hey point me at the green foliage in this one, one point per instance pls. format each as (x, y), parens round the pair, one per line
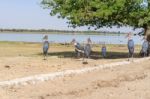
(98, 13)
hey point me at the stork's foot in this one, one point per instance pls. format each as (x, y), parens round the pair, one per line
(130, 60)
(85, 62)
(44, 59)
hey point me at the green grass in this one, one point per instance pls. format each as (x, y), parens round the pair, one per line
(9, 49)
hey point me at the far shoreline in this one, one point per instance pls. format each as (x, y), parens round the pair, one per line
(43, 31)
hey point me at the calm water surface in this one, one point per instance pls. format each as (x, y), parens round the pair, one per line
(62, 38)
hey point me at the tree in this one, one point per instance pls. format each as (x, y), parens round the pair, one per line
(99, 13)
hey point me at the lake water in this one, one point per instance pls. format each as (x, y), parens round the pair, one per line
(62, 38)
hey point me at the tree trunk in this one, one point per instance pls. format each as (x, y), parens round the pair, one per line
(147, 34)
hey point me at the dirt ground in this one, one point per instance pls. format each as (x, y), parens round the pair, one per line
(125, 82)
(17, 67)
(21, 60)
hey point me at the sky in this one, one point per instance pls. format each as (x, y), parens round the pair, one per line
(29, 14)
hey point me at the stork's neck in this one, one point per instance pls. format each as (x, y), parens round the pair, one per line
(129, 36)
(44, 40)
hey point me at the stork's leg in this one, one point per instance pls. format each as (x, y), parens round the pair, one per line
(132, 54)
(83, 58)
(129, 56)
(132, 57)
(84, 61)
(78, 55)
(44, 57)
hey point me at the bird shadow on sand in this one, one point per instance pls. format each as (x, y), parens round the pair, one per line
(94, 55)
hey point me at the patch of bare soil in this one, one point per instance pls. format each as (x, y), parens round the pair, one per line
(18, 67)
(125, 82)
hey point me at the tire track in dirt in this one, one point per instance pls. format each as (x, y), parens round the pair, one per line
(98, 84)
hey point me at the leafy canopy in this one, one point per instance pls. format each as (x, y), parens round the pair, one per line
(99, 13)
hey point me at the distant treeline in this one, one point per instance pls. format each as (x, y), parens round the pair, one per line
(55, 31)
(34, 30)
